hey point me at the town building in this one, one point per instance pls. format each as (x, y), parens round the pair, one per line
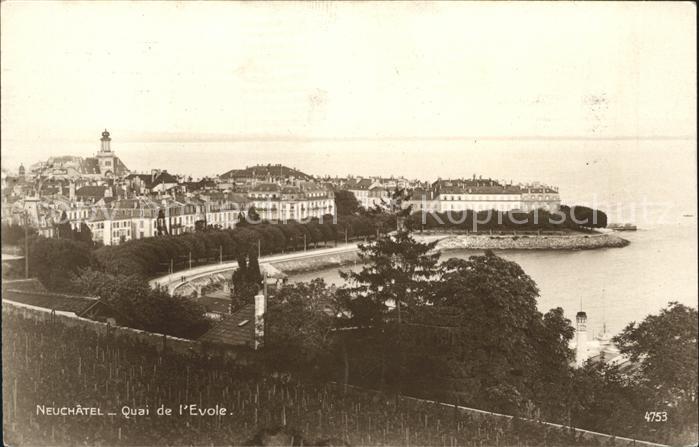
(157, 182)
(275, 202)
(484, 195)
(105, 164)
(270, 173)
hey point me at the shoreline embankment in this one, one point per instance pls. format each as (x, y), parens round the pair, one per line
(450, 242)
(570, 241)
(320, 262)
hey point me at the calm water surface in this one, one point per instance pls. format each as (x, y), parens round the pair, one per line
(616, 285)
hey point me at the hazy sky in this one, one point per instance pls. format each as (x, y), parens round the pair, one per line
(364, 71)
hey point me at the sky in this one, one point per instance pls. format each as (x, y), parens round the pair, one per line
(528, 80)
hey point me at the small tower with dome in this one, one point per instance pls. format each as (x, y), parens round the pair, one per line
(106, 140)
(105, 157)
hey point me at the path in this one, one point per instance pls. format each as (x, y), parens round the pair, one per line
(172, 281)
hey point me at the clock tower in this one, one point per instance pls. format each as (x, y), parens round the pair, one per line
(105, 156)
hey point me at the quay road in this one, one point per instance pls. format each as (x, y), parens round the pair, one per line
(172, 281)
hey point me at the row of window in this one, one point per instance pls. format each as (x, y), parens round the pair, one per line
(300, 210)
(495, 197)
(116, 233)
(284, 196)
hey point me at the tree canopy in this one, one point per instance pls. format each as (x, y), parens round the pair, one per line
(346, 203)
(144, 308)
(666, 347)
(54, 261)
(396, 274)
(298, 326)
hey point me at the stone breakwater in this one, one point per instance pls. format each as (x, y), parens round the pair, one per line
(576, 241)
(447, 242)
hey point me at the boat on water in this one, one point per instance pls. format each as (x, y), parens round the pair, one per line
(622, 227)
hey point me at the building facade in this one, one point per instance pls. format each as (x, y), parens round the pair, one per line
(484, 195)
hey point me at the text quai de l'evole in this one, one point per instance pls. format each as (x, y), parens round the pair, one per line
(130, 412)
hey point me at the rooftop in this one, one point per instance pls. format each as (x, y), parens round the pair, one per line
(237, 329)
(262, 172)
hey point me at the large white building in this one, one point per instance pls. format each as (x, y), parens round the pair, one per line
(286, 202)
(140, 218)
(371, 193)
(483, 195)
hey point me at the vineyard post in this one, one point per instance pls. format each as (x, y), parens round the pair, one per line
(187, 390)
(26, 244)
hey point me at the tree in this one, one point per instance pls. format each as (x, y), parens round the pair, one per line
(143, 307)
(583, 216)
(346, 203)
(602, 398)
(200, 225)
(161, 225)
(253, 216)
(298, 327)
(510, 353)
(54, 261)
(246, 279)
(397, 273)
(63, 228)
(84, 234)
(665, 345)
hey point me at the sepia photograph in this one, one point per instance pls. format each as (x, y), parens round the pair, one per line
(351, 223)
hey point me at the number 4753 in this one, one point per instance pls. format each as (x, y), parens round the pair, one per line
(656, 416)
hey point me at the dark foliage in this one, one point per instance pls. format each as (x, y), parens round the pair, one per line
(566, 218)
(346, 203)
(55, 261)
(149, 257)
(144, 308)
(13, 234)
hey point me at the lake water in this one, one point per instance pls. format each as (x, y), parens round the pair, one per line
(616, 285)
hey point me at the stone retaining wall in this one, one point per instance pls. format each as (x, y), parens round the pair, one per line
(527, 242)
(316, 263)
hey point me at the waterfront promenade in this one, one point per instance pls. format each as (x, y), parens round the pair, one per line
(173, 281)
(448, 241)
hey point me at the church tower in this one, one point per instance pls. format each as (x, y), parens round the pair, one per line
(105, 142)
(105, 157)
